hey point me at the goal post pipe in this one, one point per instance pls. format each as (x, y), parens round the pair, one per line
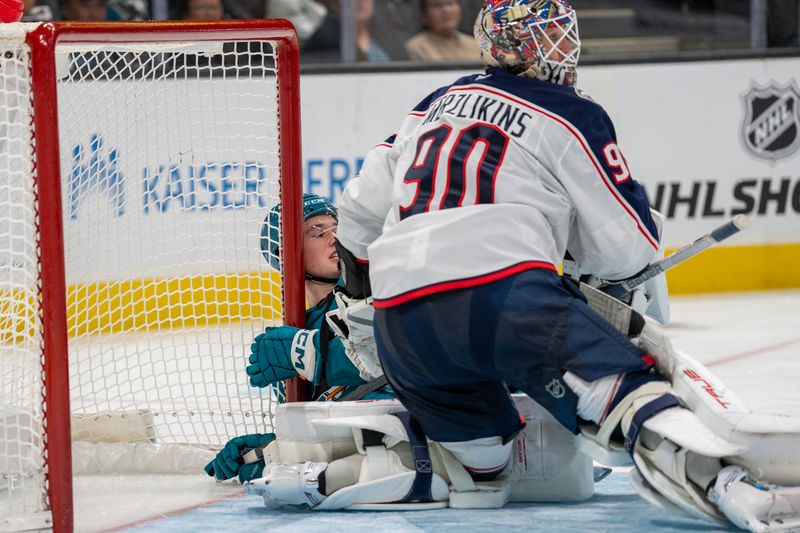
(52, 277)
(52, 280)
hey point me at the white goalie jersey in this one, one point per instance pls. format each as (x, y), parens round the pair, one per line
(527, 169)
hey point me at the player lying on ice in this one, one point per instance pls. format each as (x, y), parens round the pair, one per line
(462, 217)
(320, 357)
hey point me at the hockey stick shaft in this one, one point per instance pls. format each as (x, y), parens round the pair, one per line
(734, 226)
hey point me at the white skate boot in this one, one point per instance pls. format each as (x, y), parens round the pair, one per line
(754, 505)
(290, 485)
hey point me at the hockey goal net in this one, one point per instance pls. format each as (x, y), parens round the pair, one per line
(138, 163)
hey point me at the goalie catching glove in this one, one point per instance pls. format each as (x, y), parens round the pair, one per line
(351, 322)
(284, 352)
(230, 463)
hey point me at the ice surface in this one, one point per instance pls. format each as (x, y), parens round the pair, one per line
(751, 341)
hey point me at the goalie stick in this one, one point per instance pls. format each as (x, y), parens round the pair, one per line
(362, 390)
(620, 289)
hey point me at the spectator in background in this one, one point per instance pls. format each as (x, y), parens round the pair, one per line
(441, 40)
(325, 44)
(469, 11)
(306, 15)
(783, 23)
(83, 10)
(128, 10)
(33, 13)
(255, 9)
(203, 10)
(394, 23)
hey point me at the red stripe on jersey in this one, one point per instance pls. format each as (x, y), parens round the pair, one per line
(461, 283)
(611, 397)
(582, 142)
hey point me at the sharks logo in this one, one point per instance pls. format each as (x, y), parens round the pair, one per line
(95, 171)
(771, 126)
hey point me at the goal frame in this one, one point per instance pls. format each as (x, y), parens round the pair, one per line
(42, 42)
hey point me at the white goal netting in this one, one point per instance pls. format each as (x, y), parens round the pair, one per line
(169, 161)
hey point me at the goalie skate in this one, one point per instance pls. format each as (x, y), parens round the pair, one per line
(754, 505)
(289, 485)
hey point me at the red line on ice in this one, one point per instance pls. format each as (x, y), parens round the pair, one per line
(756, 351)
(176, 512)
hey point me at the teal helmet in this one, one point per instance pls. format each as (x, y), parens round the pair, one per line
(313, 205)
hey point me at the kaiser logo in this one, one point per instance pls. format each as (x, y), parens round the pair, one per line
(95, 171)
(771, 126)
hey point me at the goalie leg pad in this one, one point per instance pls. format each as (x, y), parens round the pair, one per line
(675, 453)
(484, 459)
(767, 443)
(666, 471)
(303, 434)
(546, 464)
(385, 482)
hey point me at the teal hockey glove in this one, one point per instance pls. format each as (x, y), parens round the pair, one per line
(229, 461)
(284, 352)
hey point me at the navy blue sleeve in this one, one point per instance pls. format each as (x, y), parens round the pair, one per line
(602, 139)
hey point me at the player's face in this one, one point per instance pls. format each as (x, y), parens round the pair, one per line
(442, 16)
(555, 46)
(319, 234)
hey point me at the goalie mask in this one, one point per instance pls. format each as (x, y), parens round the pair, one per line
(535, 38)
(313, 205)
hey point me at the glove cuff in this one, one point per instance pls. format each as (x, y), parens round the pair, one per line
(305, 355)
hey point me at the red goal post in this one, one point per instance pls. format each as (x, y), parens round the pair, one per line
(207, 186)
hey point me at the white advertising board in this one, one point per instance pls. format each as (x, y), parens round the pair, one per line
(708, 139)
(175, 180)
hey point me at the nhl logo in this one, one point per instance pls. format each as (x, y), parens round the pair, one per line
(556, 389)
(771, 126)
